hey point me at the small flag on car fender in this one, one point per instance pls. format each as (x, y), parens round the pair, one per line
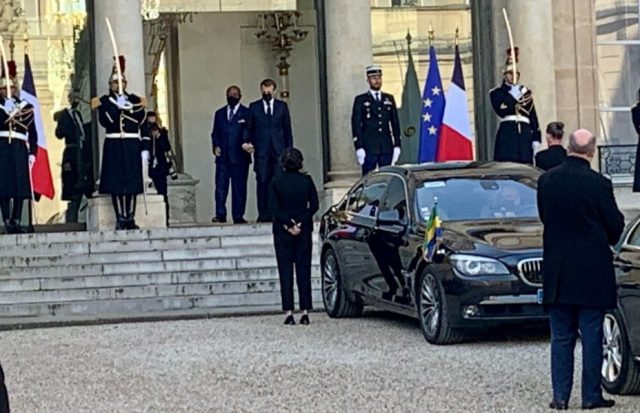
(432, 234)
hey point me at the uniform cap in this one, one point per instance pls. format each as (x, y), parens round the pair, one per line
(374, 70)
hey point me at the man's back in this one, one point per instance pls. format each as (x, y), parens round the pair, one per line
(551, 157)
(581, 220)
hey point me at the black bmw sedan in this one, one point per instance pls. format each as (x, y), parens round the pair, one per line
(485, 271)
(621, 367)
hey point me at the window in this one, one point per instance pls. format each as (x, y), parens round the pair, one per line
(368, 201)
(396, 197)
(618, 57)
(634, 238)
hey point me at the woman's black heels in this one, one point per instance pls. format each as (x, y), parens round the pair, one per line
(289, 321)
(304, 320)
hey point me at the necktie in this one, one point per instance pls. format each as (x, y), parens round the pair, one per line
(230, 115)
(269, 113)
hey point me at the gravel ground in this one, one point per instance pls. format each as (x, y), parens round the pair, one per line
(377, 363)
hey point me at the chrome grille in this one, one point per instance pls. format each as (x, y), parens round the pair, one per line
(530, 271)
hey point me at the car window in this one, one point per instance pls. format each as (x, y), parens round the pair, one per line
(370, 197)
(634, 238)
(354, 197)
(396, 197)
(478, 198)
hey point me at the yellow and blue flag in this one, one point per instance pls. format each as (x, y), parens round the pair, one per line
(432, 234)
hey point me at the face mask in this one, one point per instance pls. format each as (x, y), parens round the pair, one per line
(75, 105)
(232, 101)
(267, 97)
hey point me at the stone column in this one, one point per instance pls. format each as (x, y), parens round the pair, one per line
(349, 51)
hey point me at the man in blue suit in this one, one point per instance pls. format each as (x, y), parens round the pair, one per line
(232, 162)
(267, 135)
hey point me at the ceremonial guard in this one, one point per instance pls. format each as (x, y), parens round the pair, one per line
(635, 115)
(76, 177)
(375, 125)
(18, 148)
(518, 136)
(161, 160)
(124, 151)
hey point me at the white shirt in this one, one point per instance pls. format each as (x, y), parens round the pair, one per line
(377, 95)
(231, 112)
(268, 106)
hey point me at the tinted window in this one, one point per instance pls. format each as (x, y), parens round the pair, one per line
(478, 198)
(396, 198)
(354, 196)
(369, 201)
(634, 238)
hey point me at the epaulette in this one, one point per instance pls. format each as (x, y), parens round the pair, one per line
(95, 103)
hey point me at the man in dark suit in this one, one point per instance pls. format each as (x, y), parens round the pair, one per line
(555, 154)
(267, 135)
(232, 162)
(375, 125)
(75, 164)
(581, 221)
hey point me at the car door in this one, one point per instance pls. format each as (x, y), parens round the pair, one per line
(387, 245)
(627, 265)
(360, 264)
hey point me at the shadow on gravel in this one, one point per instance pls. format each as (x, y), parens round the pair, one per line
(502, 334)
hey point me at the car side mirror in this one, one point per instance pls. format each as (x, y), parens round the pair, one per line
(391, 217)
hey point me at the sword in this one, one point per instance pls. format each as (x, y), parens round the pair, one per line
(5, 62)
(512, 52)
(144, 187)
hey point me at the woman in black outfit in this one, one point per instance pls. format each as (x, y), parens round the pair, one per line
(293, 200)
(4, 397)
(555, 154)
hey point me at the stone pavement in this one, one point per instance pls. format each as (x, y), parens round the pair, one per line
(378, 363)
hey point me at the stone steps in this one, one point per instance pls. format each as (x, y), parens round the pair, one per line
(141, 274)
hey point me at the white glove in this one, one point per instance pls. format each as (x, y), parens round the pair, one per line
(396, 155)
(123, 102)
(32, 160)
(535, 145)
(361, 154)
(516, 91)
(145, 156)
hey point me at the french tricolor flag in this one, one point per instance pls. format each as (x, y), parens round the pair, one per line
(455, 135)
(42, 178)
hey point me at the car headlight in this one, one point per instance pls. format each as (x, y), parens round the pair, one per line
(473, 265)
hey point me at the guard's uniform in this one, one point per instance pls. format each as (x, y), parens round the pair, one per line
(121, 172)
(519, 131)
(518, 128)
(375, 126)
(18, 139)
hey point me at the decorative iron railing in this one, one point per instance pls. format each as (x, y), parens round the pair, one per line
(617, 161)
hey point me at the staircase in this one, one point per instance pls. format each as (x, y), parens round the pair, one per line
(91, 277)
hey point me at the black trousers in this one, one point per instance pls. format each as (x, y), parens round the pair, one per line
(4, 397)
(265, 170)
(566, 321)
(294, 250)
(234, 175)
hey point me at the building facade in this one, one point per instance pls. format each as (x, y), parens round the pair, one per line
(578, 57)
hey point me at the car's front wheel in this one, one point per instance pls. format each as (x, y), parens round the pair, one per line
(620, 372)
(433, 312)
(334, 295)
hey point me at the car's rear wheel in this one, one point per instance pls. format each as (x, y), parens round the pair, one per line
(433, 312)
(620, 372)
(334, 296)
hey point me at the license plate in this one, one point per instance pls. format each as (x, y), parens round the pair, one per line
(539, 296)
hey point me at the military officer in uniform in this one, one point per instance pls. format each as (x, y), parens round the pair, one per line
(124, 150)
(518, 136)
(375, 125)
(18, 148)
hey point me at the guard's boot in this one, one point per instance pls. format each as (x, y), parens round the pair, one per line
(16, 228)
(120, 222)
(7, 227)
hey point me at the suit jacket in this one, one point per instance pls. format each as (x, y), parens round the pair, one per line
(375, 126)
(581, 220)
(293, 199)
(228, 135)
(553, 156)
(270, 135)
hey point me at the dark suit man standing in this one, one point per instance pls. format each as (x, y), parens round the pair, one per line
(232, 162)
(4, 397)
(375, 125)
(267, 135)
(581, 220)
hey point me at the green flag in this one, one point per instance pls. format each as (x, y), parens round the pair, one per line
(410, 113)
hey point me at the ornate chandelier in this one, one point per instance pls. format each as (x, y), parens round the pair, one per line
(150, 9)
